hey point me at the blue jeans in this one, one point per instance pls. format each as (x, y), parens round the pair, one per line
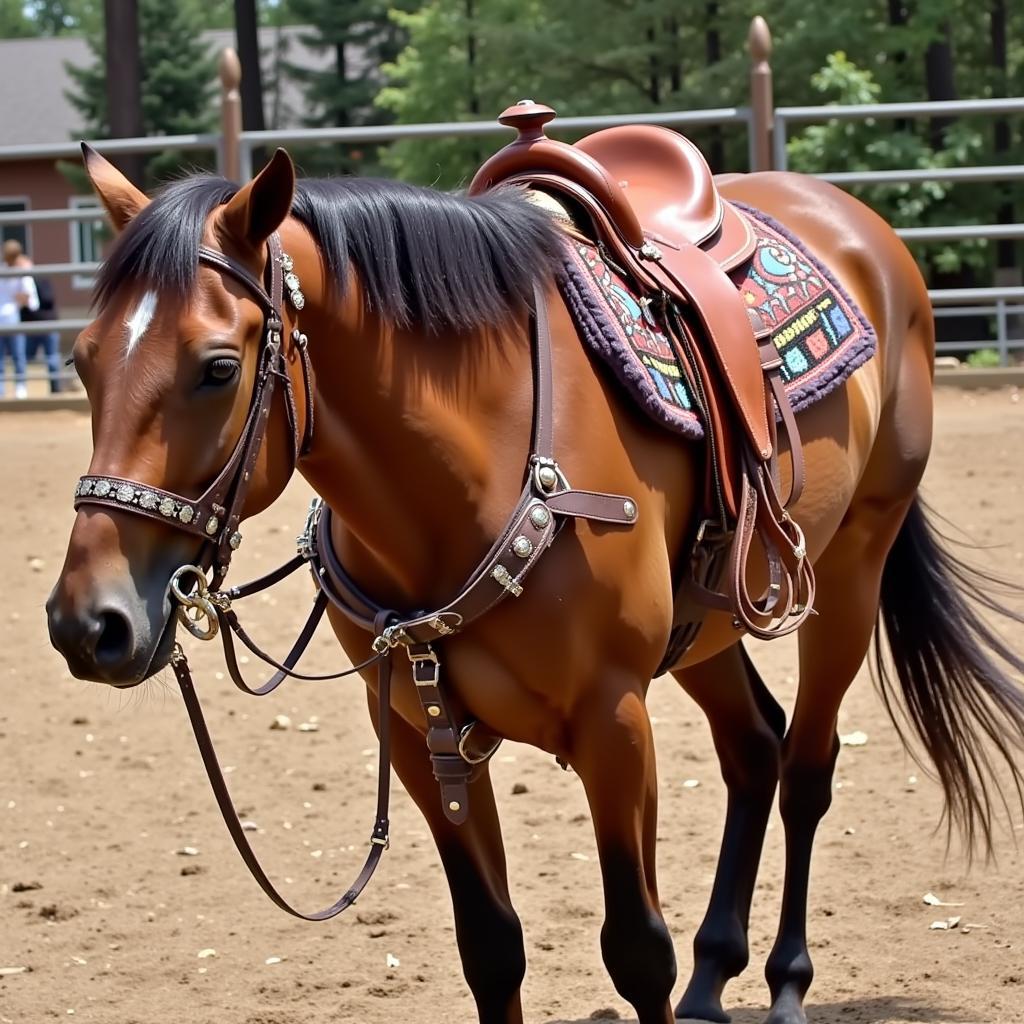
(50, 344)
(15, 345)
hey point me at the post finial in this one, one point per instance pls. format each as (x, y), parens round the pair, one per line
(759, 40)
(230, 69)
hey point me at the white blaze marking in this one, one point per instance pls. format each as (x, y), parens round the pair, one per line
(140, 320)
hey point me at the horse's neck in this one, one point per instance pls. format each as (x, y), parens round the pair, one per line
(420, 448)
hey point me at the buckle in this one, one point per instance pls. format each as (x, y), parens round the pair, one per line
(429, 661)
(504, 578)
(710, 527)
(800, 547)
(306, 541)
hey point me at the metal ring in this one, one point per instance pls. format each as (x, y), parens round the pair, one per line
(469, 758)
(193, 616)
(202, 587)
(195, 608)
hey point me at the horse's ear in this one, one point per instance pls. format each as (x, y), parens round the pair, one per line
(258, 209)
(119, 196)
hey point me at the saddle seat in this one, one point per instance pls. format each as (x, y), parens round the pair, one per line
(653, 184)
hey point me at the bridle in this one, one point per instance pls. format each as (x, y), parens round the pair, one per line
(546, 501)
(216, 514)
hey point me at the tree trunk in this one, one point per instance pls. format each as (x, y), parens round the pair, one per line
(653, 83)
(713, 54)
(247, 34)
(940, 81)
(675, 70)
(124, 75)
(1006, 248)
(899, 15)
(473, 99)
(343, 116)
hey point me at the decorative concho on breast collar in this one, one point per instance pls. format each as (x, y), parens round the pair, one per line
(215, 515)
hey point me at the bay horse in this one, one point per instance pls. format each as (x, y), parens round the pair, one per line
(417, 309)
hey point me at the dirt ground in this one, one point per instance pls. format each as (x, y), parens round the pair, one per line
(100, 793)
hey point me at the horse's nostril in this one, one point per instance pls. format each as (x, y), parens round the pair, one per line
(113, 645)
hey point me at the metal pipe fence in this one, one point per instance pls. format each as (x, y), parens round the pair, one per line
(251, 141)
(767, 129)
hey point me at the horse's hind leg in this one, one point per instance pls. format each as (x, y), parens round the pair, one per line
(832, 648)
(488, 931)
(612, 750)
(747, 725)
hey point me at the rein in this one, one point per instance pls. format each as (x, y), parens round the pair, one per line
(456, 751)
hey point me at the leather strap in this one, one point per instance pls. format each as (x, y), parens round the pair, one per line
(379, 837)
(216, 514)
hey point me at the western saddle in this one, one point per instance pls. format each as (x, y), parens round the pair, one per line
(647, 196)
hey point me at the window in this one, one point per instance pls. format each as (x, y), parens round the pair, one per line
(13, 204)
(86, 239)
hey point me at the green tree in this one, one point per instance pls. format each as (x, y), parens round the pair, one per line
(14, 23)
(467, 59)
(178, 80)
(360, 37)
(61, 17)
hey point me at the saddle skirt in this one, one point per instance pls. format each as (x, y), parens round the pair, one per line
(818, 331)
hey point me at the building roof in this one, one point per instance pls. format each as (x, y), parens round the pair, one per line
(33, 82)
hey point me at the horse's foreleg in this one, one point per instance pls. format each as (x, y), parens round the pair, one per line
(613, 753)
(832, 648)
(747, 725)
(488, 931)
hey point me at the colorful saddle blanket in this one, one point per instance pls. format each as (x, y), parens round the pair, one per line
(821, 335)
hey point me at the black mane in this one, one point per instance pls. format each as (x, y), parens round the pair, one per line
(437, 260)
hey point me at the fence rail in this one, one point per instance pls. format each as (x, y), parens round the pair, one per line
(767, 129)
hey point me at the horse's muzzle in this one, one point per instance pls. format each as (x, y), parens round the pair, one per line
(108, 638)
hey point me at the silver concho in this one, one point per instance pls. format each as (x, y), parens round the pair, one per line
(522, 546)
(148, 500)
(85, 487)
(235, 540)
(548, 477)
(212, 524)
(101, 488)
(286, 262)
(298, 300)
(186, 513)
(629, 509)
(125, 493)
(540, 516)
(291, 282)
(168, 507)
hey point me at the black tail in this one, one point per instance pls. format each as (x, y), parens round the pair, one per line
(964, 706)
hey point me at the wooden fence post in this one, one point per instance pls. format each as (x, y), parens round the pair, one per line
(230, 113)
(762, 99)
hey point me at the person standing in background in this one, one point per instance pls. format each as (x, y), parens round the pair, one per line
(47, 311)
(16, 293)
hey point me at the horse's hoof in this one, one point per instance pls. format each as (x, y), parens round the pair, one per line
(787, 1009)
(692, 1014)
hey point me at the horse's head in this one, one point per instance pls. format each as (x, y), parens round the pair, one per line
(172, 365)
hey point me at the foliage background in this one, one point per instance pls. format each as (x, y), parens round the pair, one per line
(443, 60)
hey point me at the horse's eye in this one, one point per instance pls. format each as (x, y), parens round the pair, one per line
(219, 373)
